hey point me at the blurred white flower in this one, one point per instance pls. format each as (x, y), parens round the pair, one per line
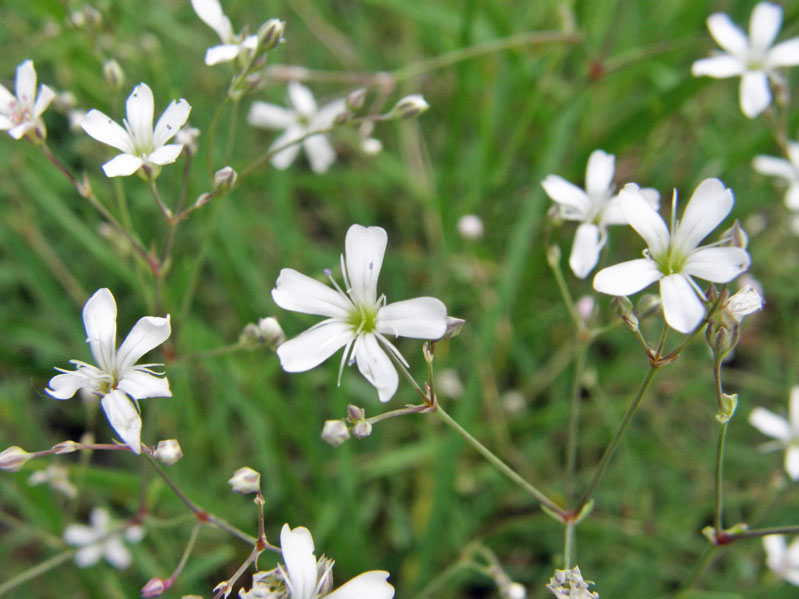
(101, 540)
(371, 146)
(232, 45)
(22, 112)
(785, 431)
(116, 375)
(448, 383)
(470, 226)
(674, 257)
(595, 209)
(788, 170)
(299, 120)
(781, 558)
(58, 479)
(752, 58)
(743, 303)
(140, 144)
(357, 319)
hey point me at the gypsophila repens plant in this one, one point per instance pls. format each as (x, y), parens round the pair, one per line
(428, 300)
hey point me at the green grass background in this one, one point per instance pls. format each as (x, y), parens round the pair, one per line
(408, 498)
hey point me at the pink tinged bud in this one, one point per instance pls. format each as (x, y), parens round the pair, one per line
(225, 178)
(335, 432)
(454, 326)
(154, 587)
(362, 429)
(168, 451)
(356, 99)
(585, 307)
(245, 480)
(65, 447)
(13, 459)
(355, 413)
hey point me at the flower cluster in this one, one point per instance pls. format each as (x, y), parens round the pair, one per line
(21, 113)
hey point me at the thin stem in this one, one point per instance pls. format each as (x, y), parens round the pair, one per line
(37, 570)
(574, 422)
(161, 206)
(554, 263)
(224, 588)
(411, 409)
(232, 134)
(761, 532)
(186, 553)
(568, 544)
(720, 476)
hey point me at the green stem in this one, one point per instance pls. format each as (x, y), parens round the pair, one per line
(37, 570)
(574, 421)
(568, 544)
(761, 532)
(719, 481)
(209, 156)
(553, 258)
(186, 553)
(232, 134)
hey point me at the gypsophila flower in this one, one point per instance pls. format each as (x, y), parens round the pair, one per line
(232, 45)
(752, 58)
(141, 145)
(117, 377)
(674, 257)
(788, 170)
(245, 480)
(569, 584)
(58, 479)
(357, 320)
(781, 558)
(785, 431)
(299, 120)
(22, 113)
(102, 539)
(595, 209)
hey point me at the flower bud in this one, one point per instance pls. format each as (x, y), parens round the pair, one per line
(168, 451)
(335, 432)
(225, 178)
(65, 447)
(270, 34)
(454, 326)
(729, 403)
(470, 227)
(113, 74)
(362, 429)
(187, 137)
(355, 413)
(267, 333)
(356, 99)
(153, 588)
(203, 199)
(624, 308)
(371, 146)
(342, 118)
(409, 106)
(553, 255)
(13, 459)
(245, 480)
(735, 236)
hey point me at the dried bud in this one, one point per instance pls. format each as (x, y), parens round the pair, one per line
(267, 333)
(224, 179)
(65, 447)
(362, 429)
(153, 588)
(113, 74)
(409, 106)
(355, 413)
(569, 584)
(356, 99)
(746, 301)
(335, 432)
(735, 236)
(470, 227)
(245, 480)
(454, 326)
(13, 459)
(270, 34)
(224, 588)
(168, 451)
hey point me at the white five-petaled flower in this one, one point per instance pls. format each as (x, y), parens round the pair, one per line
(140, 144)
(298, 121)
(595, 209)
(785, 431)
(22, 112)
(232, 45)
(102, 540)
(752, 58)
(357, 319)
(673, 258)
(781, 558)
(784, 169)
(116, 377)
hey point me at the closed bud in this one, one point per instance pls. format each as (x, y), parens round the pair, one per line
(553, 255)
(622, 306)
(342, 118)
(409, 106)
(168, 451)
(267, 333)
(65, 447)
(245, 480)
(113, 74)
(514, 590)
(154, 588)
(203, 199)
(362, 429)
(729, 403)
(355, 413)
(225, 178)
(454, 326)
(13, 459)
(356, 99)
(371, 146)
(735, 236)
(270, 34)
(335, 432)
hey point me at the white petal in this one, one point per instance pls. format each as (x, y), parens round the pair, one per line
(612, 214)
(314, 346)
(122, 165)
(585, 250)
(364, 251)
(717, 264)
(792, 197)
(116, 553)
(300, 293)
(211, 13)
(25, 85)
(78, 535)
(301, 99)
(165, 154)
(793, 410)
(320, 152)
(599, 173)
(376, 366)
(140, 384)
(222, 53)
(64, 386)
(5, 123)
(270, 116)
(768, 423)
(100, 321)
(140, 108)
(573, 201)
(105, 130)
(371, 585)
(43, 100)
(100, 520)
(418, 318)
(89, 555)
(720, 66)
(643, 218)
(682, 308)
(755, 93)
(173, 118)
(728, 35)
(792, 462)
(285, 157)
(708, 206)
(764, 24)
(776, 551)
(328, 113)
(626, 278)
(298, 554)
(775, 167)
(148, 333)
(784, 54)
(124, 418)
(22, 129)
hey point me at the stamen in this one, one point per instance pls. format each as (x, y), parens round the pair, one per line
(329, 275)
(345, 274)
(344, 360)
(673, 212)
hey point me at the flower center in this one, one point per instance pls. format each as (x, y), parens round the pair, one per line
(671, 262)
(363, 318)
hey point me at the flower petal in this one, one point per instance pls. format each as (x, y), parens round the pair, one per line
(25, 84)
(320, 152)
(376, 366)
(140, 384)
(211, 13)
(122, 165)
(364, 250)
(599, 173)
(792, 462)
(717, 264)
(105, 130)
(573, 201)
(64, 386)
(116, 553)
(708, 206)
(728, 35)
(775, 167)
(612, 214)
(269, 116)
(297, 548)
(373, 585)
(43, 100)
(626, 278)
(22, 129)
(328, 113)
(100, 321)
(792, 197)
(770, 424)
(793, 410)
(148, 333)
(79, 535)
(764, 24)
(776, 551)
(139, 107)
(755, 95)
(173, 118)
(124, 418)
(165, 154)
(301, 99)
(286, 156)
(720, 66)
(314, 346)
(585, 249)
(300, 293)
(418, 318)
(222, 53)
(784, 54)
(682, 308)
(643, 218)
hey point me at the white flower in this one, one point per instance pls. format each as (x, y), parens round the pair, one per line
(101, 539)
(358, 320)
(673, 258)
(785, 431)
(58, 479)
(743, 303)
(302, 118)
(139, 143)
(752, 58)
(470, 226)
(232, 45)
(784, 169)
(595, 208)
(22, 112)
(781, 558)
(116, 375)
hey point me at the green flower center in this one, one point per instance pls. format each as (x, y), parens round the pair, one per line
(671, 262)
(363, 319)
